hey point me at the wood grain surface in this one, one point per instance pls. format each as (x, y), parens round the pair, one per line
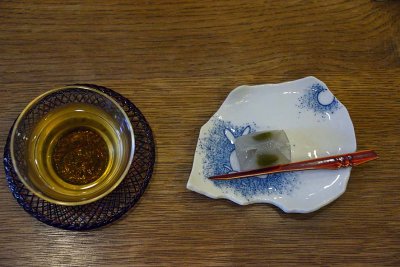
(177, 61)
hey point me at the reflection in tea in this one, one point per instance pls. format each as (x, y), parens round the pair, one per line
(80, 156)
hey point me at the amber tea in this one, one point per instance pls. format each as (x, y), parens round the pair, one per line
(74, 149)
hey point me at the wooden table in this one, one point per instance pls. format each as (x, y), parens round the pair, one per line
(178, 61)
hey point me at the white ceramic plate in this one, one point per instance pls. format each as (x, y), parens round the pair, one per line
(317, 125)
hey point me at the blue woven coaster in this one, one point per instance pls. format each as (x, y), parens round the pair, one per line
(112, 206)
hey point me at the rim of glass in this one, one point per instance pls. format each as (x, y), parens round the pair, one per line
(38, 99)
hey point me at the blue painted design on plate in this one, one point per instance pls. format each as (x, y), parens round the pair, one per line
(218, 148)
(311, 101)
